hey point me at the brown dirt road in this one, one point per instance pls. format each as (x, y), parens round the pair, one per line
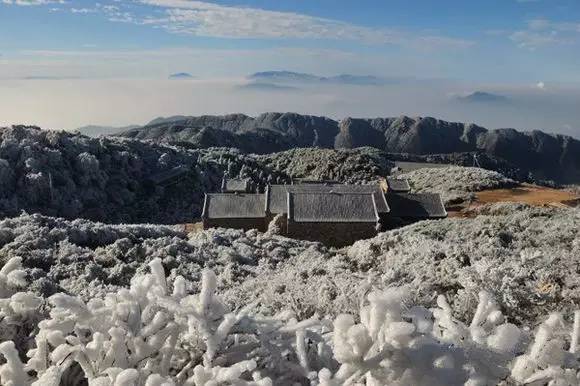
(526, 193)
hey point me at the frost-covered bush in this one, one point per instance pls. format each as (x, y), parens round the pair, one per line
(19, 311)
(360, 165)
(87, 259)
(112, 179)
(522, 255)
(456, 183)
(156, 333)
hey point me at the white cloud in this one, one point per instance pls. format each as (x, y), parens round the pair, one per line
(32, 2)
(533, 40)
(83, 10)
(545, 33)
(208, 19)
(541, 85)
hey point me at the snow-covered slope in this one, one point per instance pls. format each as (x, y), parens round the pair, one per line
(522, 255)
(456, 183)
(157, 332)
(351, 166)
(111, 179)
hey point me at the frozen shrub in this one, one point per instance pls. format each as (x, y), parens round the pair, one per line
(111, 179)
(156, 333)
(521, 255)
(88, 163)
(18, 310)
(6, 174)
(456, 183)
(361, 165)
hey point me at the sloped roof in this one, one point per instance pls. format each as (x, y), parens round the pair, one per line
(167, 175)
(278, 194)
(332, 207)
(309, 181)
(278, 198)
(235, 185)
(227, 205)
(400, 185)
(418, 205)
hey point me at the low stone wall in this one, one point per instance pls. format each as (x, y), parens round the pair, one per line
(237, 223)
(332, 234)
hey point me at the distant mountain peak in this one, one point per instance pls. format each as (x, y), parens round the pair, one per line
(483, 96)
(266, 86)
(181, 75)
(300, 77)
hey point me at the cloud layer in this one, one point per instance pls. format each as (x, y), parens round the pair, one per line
(72, 103)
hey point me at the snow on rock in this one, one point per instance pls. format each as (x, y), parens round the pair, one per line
(522, 255)
(456, 183)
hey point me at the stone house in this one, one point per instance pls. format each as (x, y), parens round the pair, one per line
(310, 181)
(278, 199)
(335, 214)
(397, 185)
(237, 185)
(407, 208)
(333, 218)
(239, 211)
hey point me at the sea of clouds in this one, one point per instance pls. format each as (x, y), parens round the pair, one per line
(62, 103)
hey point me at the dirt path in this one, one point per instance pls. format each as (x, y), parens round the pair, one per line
(527, 194)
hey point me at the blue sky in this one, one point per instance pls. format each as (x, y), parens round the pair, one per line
(67, 63)
(493, 40)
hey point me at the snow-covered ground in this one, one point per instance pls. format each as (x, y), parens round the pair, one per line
(456, 183)
(162, 330)
(477, 301)
(522, 255)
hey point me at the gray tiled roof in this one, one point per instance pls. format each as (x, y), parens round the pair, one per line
(278, 194)
(227, 205)
(332, 207)
(167, 175)
(400, 185)
(235, 185)
(419, 206)
(309, 181)
(278, 200)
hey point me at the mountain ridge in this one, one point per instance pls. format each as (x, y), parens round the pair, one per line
(548, 156)
(301, 77)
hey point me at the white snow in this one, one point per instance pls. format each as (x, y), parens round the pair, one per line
(145, 336)
(456, 183)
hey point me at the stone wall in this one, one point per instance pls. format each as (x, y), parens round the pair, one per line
(237, 223)
(332, 234)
